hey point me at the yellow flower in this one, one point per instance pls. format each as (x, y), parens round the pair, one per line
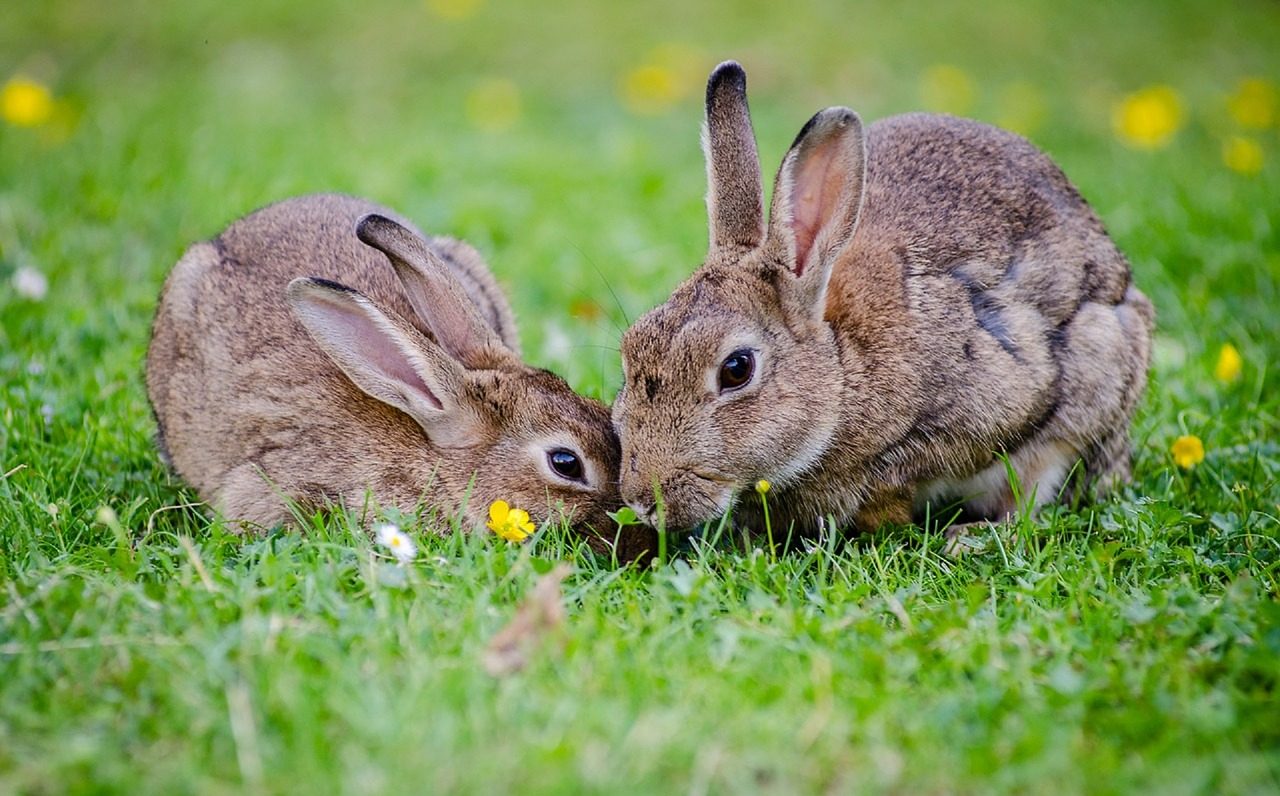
(494, 105)
(511, 524)
(25, 103)
(668, 74)
(1188, 451)
(1230, 364)
(1242, 155)
(1253, 105)
(762, 486)
(1148, 119)
(947, 88)
(453, 9)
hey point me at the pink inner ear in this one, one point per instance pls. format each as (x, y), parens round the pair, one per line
(356, 338)
(815, 193)
(387, 357)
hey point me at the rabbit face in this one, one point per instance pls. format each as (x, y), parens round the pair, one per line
(721, 388)
(551, 451)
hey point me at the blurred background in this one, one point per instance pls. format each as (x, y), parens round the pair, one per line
(562, 140)
(1134, 646)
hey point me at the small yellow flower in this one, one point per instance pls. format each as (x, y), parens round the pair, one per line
(1148, 119)
(494, 105)
(763, 486)
(1242, 155)
(1188, 451)
(1230, 364)
(511, 524)
(25, 103)
(1253, 104)
(668, 74)
(649, 89)
(453, 9)
(947, 88)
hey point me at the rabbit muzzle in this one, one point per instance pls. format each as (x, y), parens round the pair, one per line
(679, 499)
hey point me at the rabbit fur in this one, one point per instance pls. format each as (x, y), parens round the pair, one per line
(322, 349)
(925, 300)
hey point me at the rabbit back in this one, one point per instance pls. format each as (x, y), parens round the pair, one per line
(986, 288)
(241, 392)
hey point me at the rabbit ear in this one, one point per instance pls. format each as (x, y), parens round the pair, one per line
(735, 197)
(816, 200)
(384, 356)
(436, 294)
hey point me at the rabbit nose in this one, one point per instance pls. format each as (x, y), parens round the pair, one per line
(639, 497)
(646, 511)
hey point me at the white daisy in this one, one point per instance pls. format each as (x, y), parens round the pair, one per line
(30, 283)
(557, 346)
(397, 541)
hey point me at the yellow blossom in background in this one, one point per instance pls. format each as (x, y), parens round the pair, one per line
(947, 88)
(1021, 107)
(494, 105)
(763, 486)
(1253, 104)
(1188, 451)
(25, 102)
(1230, 364)
(454, 9)
(1242, 155)
(511, 524)
(1148, 119)
(668, 74)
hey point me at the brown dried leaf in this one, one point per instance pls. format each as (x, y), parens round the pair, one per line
(540, 615)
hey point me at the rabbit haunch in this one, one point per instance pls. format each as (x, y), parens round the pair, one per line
(317, 351)
(923, 301)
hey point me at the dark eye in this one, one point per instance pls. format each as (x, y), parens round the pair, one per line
(736, 369)
(566, 463)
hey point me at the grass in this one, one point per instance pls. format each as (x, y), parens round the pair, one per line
(1132, 646)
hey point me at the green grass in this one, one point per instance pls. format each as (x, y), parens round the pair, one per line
(1134, 646)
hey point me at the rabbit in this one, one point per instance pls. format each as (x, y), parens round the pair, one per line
(321, 348)
(925, 302)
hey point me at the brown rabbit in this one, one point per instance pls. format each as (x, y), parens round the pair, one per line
(923, 302)
(317, 350)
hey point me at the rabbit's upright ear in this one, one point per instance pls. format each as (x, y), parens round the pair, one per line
(436, 294)
(816, 200)
(735, 196)
(385, 357)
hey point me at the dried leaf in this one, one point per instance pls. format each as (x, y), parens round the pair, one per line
(538, 617)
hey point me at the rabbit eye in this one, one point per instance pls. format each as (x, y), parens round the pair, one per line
(565, 463)
(737, 369)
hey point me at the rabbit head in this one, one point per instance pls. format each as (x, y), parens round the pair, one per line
(737, 377)
(526, 436)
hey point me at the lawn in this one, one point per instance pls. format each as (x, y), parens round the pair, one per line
(1129, 646)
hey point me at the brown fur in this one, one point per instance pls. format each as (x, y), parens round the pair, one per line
(925, 300)
(253, 413)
